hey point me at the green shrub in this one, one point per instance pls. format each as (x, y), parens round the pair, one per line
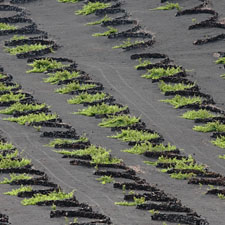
(111, 30)
(163, 159)
(157, 73)
(179, 101)
(164, 87)
(2, 76)
(221, 196)
(9, 155)
(128, 43)
(119, 121)
(10, 163)
(18, 37)
(220, 60)
(182, 176)
(12, 97)
(148, 147)
(199, 114)
(211, 127)
(101, 109)
(5, 26)
(43, 65)
(4, 87)
(6, 146)
(59, 141)
(221, 156)
(14, 177)
(105, 19)
(105, 179)
(25, 48)
(134, 135)
(21, 108)
(53, 196)
(54, 78)
(137, 201)
(143, 63)
(74, 86)
(168, 6)
(91, 7)
(30, 118)
(86, 97)
(219, 142)
(14, 192)
(99, 155)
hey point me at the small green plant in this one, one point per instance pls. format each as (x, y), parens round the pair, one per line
(197, 114)
(101, 109)
(168, 6)
(179, 101)
(221, 196)
(182, 176)
(66, 220)
(174, 161)
(74, 86)
(86, 97)
(111, 30)
(164, 87)
(6, 146)
(21, 108)
(148, 147)
(105, 158)
(75, 220)
(119, 121)
(53, 196)
(143, 63)
(12, 155)
(193, 20)
(30, 118)
(153, 211)
(220, 60)
(91, 7)
(135, 135)
(211, 127)
(14, 192)
(10, 163)
(221, 156)
(25, 48)
(128, 43)
(14, 177)
(59, 141)
(137, 201)
(157, 73)
(53, 207)
(2, 76)
(99, 155)
(105, 179)
(5, 26)
(105, 19)
(124, 189)
(54, 78)
(12, 97)
(43, 65)
(18, 37)
(4, 87)
(223, 75)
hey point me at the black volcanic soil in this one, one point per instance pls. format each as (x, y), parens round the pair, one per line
(114, 69)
